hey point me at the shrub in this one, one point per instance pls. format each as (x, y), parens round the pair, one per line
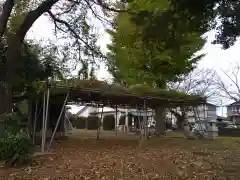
(10, 122)
(109, 122)
(15, 148)
(15, 145)
(92, 122)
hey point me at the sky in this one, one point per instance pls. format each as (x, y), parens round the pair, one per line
(216, 58)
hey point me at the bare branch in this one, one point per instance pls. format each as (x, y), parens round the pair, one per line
(70, 29)
(200, 82)
(230, 88)
(100, 18)
(107, 7)
(69, 9)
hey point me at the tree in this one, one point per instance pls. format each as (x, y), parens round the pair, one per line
(229, 84)
(201, 82)
(221, 15)
(155, 57)
(37, 65)
(70, 19)
(143, 54)
(84, 73)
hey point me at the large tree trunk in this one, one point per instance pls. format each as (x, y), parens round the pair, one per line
(14, 43)
(182, 122)
(160, 121)
(5, 97)
(2, 97)
(180, 119)
(13, 57)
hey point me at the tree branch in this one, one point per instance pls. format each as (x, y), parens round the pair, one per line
(107, 7)
(55, 19)
(100, 18)
(32, 16)
(232, 91)
(6, 12)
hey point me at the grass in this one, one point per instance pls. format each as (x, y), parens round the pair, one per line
(171, 157)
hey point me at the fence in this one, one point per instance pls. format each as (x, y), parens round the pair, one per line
(232, 132)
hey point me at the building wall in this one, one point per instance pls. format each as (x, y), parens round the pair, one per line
(236, 120)
(205, 112)
(233, 113)
(87, 111)
(211, 112)
(233, 110)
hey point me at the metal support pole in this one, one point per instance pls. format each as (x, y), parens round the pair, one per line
(59, 118)
(141, 125)
(145, 120)
(116, 122)
(99, 123)
(70, 124)
(46, 114)
(35, 122)
(43, 123)
(138, 120)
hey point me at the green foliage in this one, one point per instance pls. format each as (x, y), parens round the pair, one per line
(92, 122)
(10, 122)
(118, 88)
(84, 73)
(77, 83)
(15, 145)
(31, 67)
(35, 64)
(198, 15)
(138, 90)
(147, 90)
(153, 46)
(223, 16)
(108, 122)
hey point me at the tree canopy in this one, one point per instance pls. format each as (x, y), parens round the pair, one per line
(37, 65)
(221, 15)
(72, 24)
(153, 46)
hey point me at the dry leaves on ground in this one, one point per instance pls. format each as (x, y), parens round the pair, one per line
(89, 159)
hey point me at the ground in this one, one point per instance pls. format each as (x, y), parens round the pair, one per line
(170, 158)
